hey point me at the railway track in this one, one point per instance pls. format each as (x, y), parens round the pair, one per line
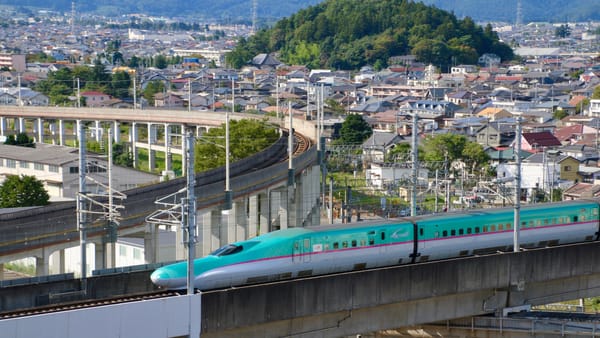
(88, 304)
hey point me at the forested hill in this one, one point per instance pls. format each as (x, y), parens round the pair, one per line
(531, 10)
(348, 34)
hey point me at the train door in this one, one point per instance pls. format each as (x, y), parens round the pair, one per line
(306, 250)
(297, 252)
(301, 252)
(381, 239)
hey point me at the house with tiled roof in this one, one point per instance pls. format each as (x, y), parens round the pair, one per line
(538, 141)
(581, 190)
(95, 98)
(573, 133)
(494, 114)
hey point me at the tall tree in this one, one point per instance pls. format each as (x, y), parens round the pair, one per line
(22, 191)
(355, 130)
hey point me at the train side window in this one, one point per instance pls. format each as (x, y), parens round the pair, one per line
(500, 227)
(594, 211)
(468, 230)
(575, 218)
(492, 228)
(583, 217)
(336, 245)
(296, 245)
(326, 247)
(508, 226)
(531, 224)
(353, 243)
(345, 244)
(538, 222)
(383, 236)
(523, 225)
(371, 241)
(421, 231)
(362, 242)
(485, 228)
(545, 221)
(306, 243)
(452, 232)
(461, 231)
(476, 230)
(445, 233)
(554, 221)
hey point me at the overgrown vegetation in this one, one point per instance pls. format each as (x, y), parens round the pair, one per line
(246, 137)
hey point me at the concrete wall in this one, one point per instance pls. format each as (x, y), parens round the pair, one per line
(400, 296)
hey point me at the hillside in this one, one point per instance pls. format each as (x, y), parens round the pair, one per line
(348, 34)
(532, 10)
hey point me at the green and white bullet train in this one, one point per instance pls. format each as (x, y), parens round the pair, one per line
(317, 250)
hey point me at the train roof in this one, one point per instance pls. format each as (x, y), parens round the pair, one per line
(541, 207)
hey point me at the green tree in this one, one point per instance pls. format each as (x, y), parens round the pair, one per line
(21, 140)
(355, 130)
(247, 137)
(474, 156)
(152, 88)
(596, 94)
(120, 85)
(562, 31)
(22, 191)
(444, 147)
(160, 62)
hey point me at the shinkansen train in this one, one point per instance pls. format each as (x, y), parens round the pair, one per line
(317, 250)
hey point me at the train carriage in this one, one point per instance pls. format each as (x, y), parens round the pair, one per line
(317, 250)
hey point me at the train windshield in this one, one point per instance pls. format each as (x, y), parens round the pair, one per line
(227, 250)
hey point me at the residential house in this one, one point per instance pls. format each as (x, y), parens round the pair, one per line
(168, 100)
(95, 98)
(378, 145)
(594, 109)
(581, 190)
(536, 142)
(496, 134)
(542, 171)
(573, 133)
(462, 98)
(493, 113)
(388, 175)
(7, 99)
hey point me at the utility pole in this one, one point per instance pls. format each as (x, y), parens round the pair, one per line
(81, 205)
(190, 213)
(415, 164)
(517, 216)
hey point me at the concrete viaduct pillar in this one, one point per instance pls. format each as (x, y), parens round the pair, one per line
(105, 254)
(168, 155)
(21, 125)
(61, 132)
(2, 126)
(133, 138)
(151, 140)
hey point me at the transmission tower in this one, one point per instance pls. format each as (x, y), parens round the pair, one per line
(254, 9)
(519, 13)
(72, 17)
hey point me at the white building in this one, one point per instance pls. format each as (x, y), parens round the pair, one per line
(382, 175)
(57, 167)
(594, 110)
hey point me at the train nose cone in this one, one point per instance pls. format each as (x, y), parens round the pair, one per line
(160, 278)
